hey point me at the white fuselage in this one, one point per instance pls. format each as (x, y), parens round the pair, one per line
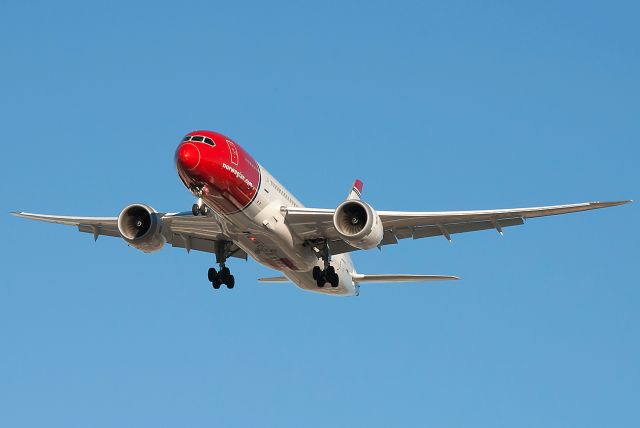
(260, 230)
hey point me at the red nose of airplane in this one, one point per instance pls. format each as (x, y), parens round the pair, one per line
(188, 156)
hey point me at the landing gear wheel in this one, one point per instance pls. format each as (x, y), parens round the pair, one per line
(203, 210)
(331, 276)
(195, 209)
(328, 275)
(212, 274)
(216, 284)
(334, 280)
(316, 272)
(231, 282)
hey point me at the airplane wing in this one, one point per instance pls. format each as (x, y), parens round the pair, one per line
(183, 230)
(312, 224)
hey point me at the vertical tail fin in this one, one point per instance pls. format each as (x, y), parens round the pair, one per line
(356, 190)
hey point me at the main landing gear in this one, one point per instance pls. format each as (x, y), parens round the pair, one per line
(322, 276)
(223, 276)
(328, 274)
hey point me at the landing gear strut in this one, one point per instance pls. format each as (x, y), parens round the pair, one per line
(223, 276)
(328, 274)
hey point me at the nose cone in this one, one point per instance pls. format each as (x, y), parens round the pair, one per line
(188, 156)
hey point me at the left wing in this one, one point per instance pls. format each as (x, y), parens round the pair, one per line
(183, 230)
(317, 224)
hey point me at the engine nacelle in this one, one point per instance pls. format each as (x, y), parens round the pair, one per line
(358, 224)
(141, 226)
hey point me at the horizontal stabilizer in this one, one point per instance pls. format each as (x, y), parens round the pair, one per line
(274, 279)
(361, 278)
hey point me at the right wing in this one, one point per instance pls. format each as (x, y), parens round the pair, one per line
(425, 224)
(312, 224)
(183, 230)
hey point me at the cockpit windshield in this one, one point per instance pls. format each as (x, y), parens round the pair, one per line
(206, 140)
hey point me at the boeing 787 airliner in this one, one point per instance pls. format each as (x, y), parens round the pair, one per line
(242, 210)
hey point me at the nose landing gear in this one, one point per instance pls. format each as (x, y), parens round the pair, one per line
(199, 208)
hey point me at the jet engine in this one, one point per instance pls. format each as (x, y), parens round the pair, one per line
(358, 224)
(141, 226)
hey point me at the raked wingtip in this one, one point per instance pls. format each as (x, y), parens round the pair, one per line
(608, 204)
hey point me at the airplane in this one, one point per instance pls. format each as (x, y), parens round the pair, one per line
(241, 210)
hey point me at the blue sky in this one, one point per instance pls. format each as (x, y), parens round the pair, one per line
(434, 105)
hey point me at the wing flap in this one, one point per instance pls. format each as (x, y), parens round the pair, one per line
(190, 242)
(100, 230)
(311, 223)
(452, 228)
(187, 223)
